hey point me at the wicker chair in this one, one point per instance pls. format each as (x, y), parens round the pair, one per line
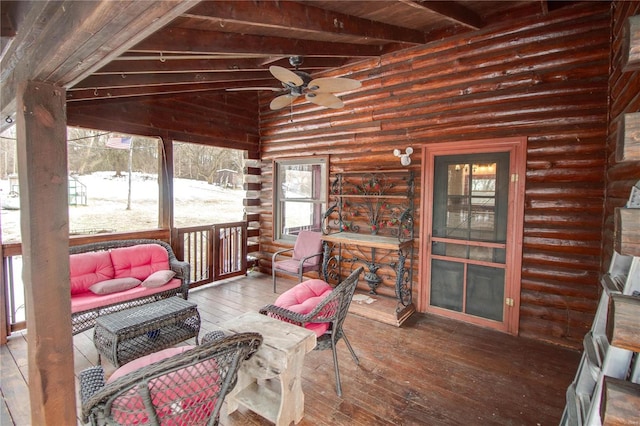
(333, 310)
(184, 389)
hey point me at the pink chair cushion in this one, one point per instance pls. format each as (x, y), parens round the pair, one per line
(139, 261)
(86, 269)
(303, 298)
(146, 360)
(170, 392)
(308, 243)
(293, 265)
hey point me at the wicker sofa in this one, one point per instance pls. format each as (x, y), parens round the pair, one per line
(110, 276)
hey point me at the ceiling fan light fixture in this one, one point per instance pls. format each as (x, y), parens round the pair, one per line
(319, 91)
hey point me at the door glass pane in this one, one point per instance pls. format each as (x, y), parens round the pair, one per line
(447, 284)
(468, 204)
(485, 292)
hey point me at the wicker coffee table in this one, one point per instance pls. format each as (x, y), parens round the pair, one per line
(126, 335)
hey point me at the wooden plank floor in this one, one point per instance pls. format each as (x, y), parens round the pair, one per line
(430, 371)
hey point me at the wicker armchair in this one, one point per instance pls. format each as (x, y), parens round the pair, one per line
(184, 389)
(333, 310)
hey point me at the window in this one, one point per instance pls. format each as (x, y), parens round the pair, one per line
(207, 185)
(300, 195)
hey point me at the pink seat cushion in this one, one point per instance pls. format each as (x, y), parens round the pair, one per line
(173, 394)
(293, 265)
(303, 298)
(146, 360)
(139, 261)
(87, 300)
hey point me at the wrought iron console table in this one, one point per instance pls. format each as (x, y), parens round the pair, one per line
(370, 222)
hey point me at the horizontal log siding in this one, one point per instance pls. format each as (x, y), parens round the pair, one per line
(545, 79)
(624, 92)
(226, 120)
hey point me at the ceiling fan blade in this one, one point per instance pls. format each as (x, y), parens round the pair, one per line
(281, 101)
(328, 100)
(333, 84)
(286, 76)
(241, 89)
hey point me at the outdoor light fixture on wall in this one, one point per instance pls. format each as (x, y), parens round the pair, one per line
(405, 158)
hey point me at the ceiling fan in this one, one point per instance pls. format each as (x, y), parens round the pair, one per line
(296, 83)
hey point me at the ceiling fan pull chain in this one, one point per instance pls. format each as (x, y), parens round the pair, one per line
(291, 111)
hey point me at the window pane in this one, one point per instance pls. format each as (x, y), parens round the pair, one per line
(112, 183)
(301, 181)
(207, 185)
(300, 216)
(300, 189)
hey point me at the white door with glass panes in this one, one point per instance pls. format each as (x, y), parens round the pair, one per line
(473, 195)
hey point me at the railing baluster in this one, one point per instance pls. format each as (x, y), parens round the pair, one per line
(214, 252)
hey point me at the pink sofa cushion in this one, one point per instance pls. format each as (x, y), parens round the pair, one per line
(173, 394)
(88, 301)
(139, 261)
(303, 298)
(86, 269)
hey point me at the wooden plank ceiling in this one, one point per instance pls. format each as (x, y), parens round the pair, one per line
(102, 50)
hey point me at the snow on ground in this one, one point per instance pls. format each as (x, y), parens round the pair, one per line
(195, 203)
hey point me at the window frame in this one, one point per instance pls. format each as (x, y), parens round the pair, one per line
(278, 196)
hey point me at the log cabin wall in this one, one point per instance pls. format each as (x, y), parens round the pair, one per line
(544, 78)
(624, 93)
(218, 118)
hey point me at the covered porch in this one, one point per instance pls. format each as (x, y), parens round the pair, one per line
(430, 371)
(560, 75)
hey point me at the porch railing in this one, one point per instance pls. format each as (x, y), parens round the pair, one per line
(215, 252)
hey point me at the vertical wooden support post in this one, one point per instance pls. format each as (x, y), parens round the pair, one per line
(165, 167)
(4, 321)
(42, 161)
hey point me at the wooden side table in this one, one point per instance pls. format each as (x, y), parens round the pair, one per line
(279, 358)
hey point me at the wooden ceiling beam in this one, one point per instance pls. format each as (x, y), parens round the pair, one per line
(130, 64)
(137, 80)
(124, 92)
(62, 42)
(450, 10)
(182, 40)
(288, 16)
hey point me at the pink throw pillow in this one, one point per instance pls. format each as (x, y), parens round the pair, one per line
(158, 278)
(115, 285)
